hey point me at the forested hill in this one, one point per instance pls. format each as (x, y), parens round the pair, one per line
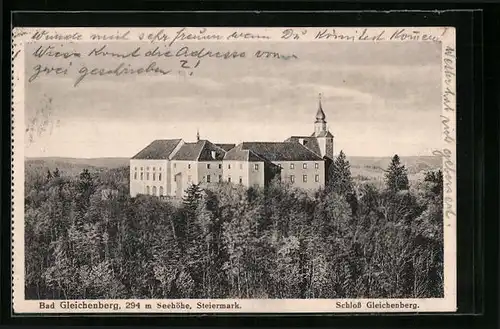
(348, 240)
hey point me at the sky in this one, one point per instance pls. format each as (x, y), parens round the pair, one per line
(379, 99)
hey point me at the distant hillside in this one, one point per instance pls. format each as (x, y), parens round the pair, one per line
(414, 164)
(373, 168)
(78, 162)
(74, 166)
(368, 167)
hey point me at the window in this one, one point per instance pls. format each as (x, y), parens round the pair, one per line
(256, 166)
(241, 180)
(316, 166)
(147, 189)
(175, 178)
(135, 168)
(154, 176)
(159, 176)
(304, 178)
(228, 166)
(220, 178)
(135, 175)
(229, 179)
(154, 190)
(292, 179)
(154, 168)
(304, 165)
(147, 168)
(189, 166)
(142, 168)
(316, 178)
(241, 165)
(292, 166)
(189, 179)
(175, 165)
(161, 190)
(220, 165)
(208, 165)
(142, 175)
(208, 178)
(147, 176)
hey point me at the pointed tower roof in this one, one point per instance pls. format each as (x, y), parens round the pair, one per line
(197, 134)
(320, 115)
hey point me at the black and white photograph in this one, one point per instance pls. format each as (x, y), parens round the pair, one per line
(234, 170)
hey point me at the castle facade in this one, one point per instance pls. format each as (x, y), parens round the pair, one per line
(168, 167)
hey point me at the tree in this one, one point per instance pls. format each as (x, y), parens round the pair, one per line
(340, 175)
(396, 176)
(192, 198)
(436, 178)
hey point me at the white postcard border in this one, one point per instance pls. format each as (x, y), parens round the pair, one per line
(444, 35)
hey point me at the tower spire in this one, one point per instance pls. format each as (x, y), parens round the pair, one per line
(197, 134)
(320, 115)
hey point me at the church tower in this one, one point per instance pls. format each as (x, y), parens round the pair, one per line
(320, 123)
(323, 136)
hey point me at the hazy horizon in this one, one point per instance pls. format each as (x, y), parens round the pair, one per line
(380, 99)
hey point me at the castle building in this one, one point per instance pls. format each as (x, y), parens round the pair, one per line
(168, 167)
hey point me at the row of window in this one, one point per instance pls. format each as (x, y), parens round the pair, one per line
(304, 166)
(256, 166)
(147, 168)
(147, 176)
(208, 179)
(154, 190)
(304, 178)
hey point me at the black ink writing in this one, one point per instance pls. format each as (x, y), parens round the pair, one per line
(333, 35)
(414, 35)
(120, 70)
(110, 37)
(272, 54)
(449, 165)
(447, 130)
(51, 52)
(183, 35)
(236, 36)
(203, 52)
(102, 51)
(365, 36)
(47, 70)
(184, 64)
(158, 36)
(292, 34)
(54, 36)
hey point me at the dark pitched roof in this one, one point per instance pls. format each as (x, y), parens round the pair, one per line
(226, 147)
(281, 151)
(210, 150)
(158, 149)
(199, 151)
(237, 154)
(309, 142)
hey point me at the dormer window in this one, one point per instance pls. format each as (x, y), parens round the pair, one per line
(213, 155)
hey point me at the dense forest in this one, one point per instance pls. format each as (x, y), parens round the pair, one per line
(86, 238)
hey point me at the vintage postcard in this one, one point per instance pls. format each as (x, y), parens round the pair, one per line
(226, 170)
